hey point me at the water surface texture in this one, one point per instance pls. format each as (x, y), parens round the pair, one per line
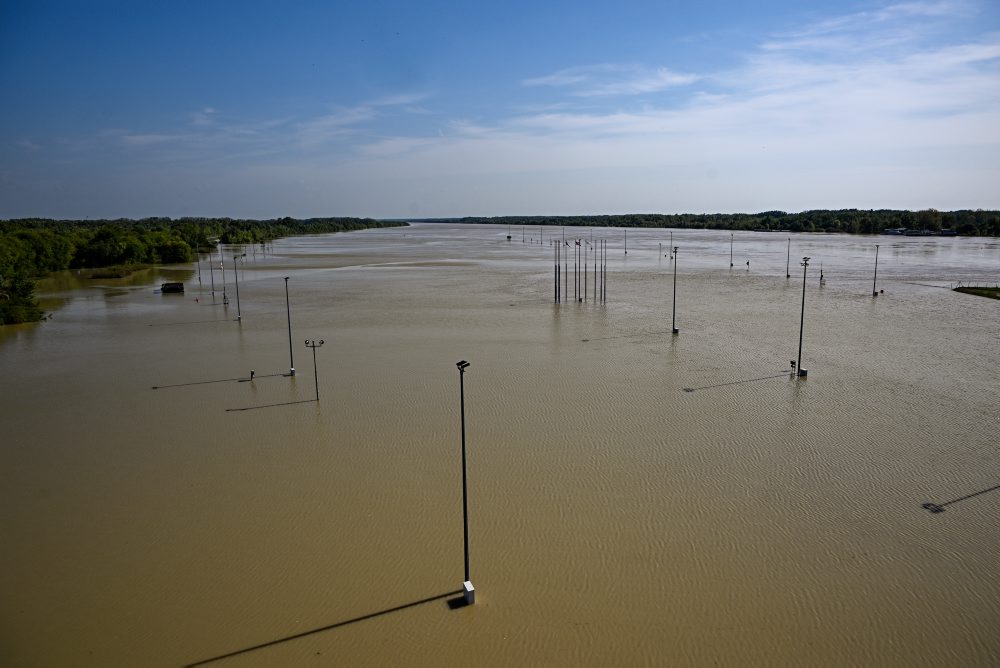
(636, 498)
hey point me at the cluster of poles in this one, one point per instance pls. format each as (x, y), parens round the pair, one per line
(309, 343)
(600, 250)
(581, 273)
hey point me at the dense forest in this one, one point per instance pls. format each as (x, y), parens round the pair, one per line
(31, 248)
(847, 221)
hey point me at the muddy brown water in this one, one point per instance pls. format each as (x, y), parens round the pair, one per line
(636, 498)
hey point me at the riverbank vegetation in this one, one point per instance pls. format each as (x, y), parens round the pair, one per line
(33, 247)
(992, 293)
(847, 221)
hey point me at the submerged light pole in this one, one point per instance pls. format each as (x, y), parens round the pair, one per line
(211, 271)
(470, 591)
(222, 265)
(788, 257)
(239, 315)
(730, 249)
(288, 312)
(874, 291)
(314, 345)
(805, 267)
(673, 317)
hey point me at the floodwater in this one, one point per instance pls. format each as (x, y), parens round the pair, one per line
(635, 498)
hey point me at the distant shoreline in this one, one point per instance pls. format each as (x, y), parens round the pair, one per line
(928, 222)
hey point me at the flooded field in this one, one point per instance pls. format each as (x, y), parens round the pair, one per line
(635, 498)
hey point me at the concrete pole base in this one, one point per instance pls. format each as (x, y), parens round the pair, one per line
(291, 372)
(676, 331)
(469, 593)
(803, 373)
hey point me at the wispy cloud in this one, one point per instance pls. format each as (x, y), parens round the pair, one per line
(613, 80)
(27, 144)
(904, 98)
(208, 129)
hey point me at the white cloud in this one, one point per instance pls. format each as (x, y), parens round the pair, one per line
(901, 114)
(613, 80)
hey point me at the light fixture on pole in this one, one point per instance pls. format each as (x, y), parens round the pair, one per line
(239, 314)
(222, 265)
(673, 318)
(468, 589)
(314, 345)
(211, 272)
(288, 312)
(805, 267)
(874, 278)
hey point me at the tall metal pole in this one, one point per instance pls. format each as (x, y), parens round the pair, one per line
(730, 249)
(565, 279)
(874, 291)
(788, 257)
(673, 318)
(626, 241)
(288, 311)
(211, 271)
(314, 345)
(555, 280)
(604, 273)
(465, 485)
(802, 321)
(222, 265)
(239, 315)
(198, 255)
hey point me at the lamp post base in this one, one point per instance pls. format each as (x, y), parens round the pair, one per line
(803, 373)
(469, 593)
(291, 371)
(676, 331)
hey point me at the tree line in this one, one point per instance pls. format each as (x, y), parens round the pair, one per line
(847, 221)
(33, 247)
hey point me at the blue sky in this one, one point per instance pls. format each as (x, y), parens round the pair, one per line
(421, 109)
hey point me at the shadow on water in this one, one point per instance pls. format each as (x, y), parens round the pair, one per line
(737, 382)
(330, 627)
(625, 336)
(286, 403)
(243, 379)
(190, 322)
(939, 507)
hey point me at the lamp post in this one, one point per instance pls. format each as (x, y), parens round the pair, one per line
(470, 591)
(314, 345)
(730, 249)
(288, 312)
(805, 266)
(211, 271)
(673, 317)
(222, 265)
(239, 315)
(626, 241)
(788, 257)
(874, 278)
